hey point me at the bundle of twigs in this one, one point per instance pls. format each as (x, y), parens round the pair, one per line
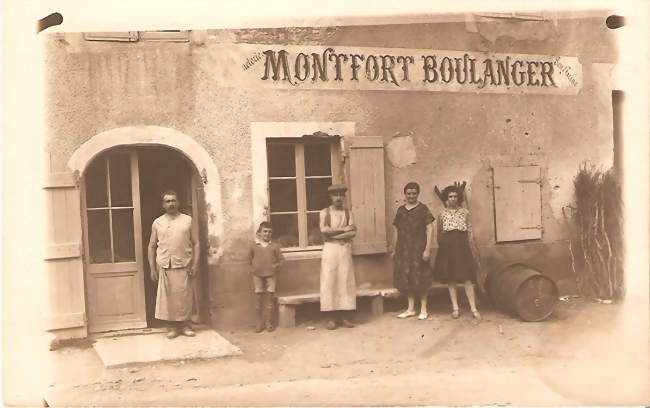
(598, 218)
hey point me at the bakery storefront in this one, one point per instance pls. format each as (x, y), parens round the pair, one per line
(255, 124)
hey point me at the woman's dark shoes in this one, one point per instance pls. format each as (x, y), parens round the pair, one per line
(172, 333)
(331, 325)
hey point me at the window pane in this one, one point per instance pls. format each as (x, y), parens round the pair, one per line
(313, 229)
(99, 236)
(120, 170)
(96, 184)
(281, 159)
(317, 160)
(283, 195)
(123, 240)
(317, 196)
(285, 229)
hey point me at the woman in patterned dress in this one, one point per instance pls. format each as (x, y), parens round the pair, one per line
(454, 262)
(412, 274)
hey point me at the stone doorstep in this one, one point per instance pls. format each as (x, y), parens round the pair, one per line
(125, 351)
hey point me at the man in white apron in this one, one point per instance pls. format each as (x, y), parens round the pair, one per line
(173, 260)
(338, 297)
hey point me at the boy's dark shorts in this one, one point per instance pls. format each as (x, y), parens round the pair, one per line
(264, 282)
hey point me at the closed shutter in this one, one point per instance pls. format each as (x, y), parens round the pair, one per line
(64, 265)
(366, 161)
(128, 36)
(517, 201)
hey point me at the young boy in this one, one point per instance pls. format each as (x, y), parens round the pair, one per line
(265, 258)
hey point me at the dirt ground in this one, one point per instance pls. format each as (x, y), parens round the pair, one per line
(586, 354)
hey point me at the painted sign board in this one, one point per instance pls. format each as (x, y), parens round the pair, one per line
(394, 69)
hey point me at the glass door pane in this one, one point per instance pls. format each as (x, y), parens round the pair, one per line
(120, 170)
(99, 236)
(123, 238)
(109, 207)
(96, 196)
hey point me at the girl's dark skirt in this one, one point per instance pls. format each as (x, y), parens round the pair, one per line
(454, 261)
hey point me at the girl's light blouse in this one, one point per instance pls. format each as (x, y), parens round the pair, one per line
(455, 219)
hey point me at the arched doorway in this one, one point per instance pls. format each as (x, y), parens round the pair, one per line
(121, 190)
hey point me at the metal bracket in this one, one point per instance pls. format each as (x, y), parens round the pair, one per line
(536, 181)
(77, 178)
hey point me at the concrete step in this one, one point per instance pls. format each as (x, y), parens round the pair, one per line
(122, 351)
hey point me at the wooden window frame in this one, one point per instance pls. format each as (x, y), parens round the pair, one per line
(514, 15)
(165, 35)
(301, 185)
(122, 36)
(260, 132)
(134, 36)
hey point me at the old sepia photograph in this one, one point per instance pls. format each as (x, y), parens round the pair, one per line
(266, 204)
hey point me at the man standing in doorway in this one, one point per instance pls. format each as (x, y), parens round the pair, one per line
(338, 292)
(173, 261)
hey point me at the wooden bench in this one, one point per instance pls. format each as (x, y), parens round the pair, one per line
(287, 303)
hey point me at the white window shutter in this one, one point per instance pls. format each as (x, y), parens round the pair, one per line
(517, 201)
(64, 250)
(367, 193)
(121, 36)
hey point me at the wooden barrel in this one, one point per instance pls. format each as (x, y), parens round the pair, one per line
(523, 291)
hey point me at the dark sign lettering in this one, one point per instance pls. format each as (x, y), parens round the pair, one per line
(439, 70)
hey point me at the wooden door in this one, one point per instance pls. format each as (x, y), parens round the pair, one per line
(113, 243)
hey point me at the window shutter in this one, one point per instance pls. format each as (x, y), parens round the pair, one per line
(366, 158)
(122, 36)
(517, 201)
(64, 264)
(164, 35)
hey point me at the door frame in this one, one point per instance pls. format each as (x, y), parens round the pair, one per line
(208, 192)
(193, 192)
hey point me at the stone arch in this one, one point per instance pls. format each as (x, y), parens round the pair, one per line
(161, 136)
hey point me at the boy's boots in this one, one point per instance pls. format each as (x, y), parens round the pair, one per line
(269, 305)
(259, 312)
(268, 311)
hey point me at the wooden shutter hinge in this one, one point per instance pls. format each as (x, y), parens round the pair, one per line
(537, 227)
